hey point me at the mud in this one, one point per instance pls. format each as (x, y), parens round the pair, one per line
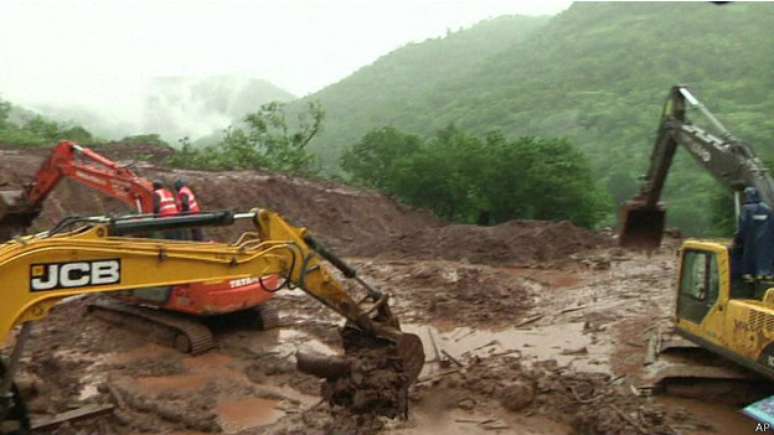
(518, 242)
(539, 328)
(339, 215)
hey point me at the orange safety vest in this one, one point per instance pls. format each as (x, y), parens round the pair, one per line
(193, 206)
(167, 204)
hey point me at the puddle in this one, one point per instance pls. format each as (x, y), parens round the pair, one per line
(426, 420)
(162, 384)
(724, 419)
(566, 343)
(149, 351)
(87, 391)
(286, 341)
(208, 362)
(556, 279)
(238, 415)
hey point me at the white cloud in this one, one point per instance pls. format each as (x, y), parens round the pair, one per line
(101, 54)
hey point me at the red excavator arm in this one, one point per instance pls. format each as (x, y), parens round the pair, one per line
(93, 170)
(19, 208)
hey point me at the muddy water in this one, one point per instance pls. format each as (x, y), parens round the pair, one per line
(566, 343)
(724, 419)
(286, 341)
(456, 422)
(247, 413)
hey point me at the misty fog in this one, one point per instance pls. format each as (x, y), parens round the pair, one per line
(191, 68)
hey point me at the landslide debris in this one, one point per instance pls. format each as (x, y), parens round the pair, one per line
(518, 241)
(591, 403)
(352, 222)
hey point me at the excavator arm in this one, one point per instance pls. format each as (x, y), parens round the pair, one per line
(99, 257)
(730, 161)
(69, 160)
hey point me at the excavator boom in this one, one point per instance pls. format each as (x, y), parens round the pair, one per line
(732, 162)
(18, 208)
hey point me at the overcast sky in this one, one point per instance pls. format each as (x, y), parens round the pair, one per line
(100, 53)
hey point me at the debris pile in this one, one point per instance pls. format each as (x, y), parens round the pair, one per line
(520, 242)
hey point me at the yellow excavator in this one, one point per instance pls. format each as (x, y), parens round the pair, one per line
(99, 255)
(717, 310)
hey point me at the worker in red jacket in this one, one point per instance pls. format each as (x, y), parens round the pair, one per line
(164, 205)
(186, 202)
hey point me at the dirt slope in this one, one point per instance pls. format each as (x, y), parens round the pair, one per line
(354, 222)
(525, 329)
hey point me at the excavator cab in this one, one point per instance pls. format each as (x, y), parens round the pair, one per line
(643, 225)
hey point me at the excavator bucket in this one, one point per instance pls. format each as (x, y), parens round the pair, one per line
(643, 226)
(15, 214)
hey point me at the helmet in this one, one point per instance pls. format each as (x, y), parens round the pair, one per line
(751, 194)
(158, 184)
(179, 183)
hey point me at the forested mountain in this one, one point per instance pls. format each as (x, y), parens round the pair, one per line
(400, 86)
(597, 74)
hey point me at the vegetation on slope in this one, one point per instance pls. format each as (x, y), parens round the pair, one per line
(488, 180)
(401, 85)
(263, 141)
(597, 74)
(35, 130)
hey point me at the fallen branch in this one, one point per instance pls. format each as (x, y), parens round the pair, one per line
(76, 414)
(529, 320)
(628, 419)
(571, 309)
(452, 359)
(507, 352)
(438, 375)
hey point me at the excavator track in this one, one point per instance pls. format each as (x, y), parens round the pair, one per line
(15, 419)
(168, 329)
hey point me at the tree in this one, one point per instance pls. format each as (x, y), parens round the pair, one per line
(265, 140)
(5, 111)
(371, 160)
(463, 178)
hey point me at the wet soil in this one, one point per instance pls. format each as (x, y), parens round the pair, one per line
(527, 327)
(573, 367)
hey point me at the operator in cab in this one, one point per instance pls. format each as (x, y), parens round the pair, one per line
(753, 247)
(187, 204)
(165, 205)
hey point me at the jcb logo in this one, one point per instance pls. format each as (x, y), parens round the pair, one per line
(54, 276)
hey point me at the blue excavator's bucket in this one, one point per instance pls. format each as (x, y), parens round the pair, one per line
(642, 226)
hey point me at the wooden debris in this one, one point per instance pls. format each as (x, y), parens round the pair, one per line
(442, 362)
(438, 376)
(76, 414)
(628, 419)
(507, 352)
(571, 309)
(452, 359)
(529, 320)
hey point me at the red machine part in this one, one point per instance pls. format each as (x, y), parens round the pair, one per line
(93, 170)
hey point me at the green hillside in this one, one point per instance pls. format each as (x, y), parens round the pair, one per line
(403, 84)
(597, 74)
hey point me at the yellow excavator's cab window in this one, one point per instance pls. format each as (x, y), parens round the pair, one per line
(699, 285)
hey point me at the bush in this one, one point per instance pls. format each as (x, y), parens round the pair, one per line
(265, 141)
(463, 178)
